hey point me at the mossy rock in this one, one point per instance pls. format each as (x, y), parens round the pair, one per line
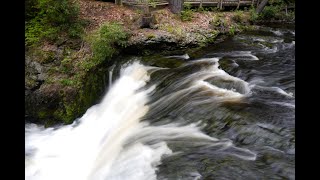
(54, 103)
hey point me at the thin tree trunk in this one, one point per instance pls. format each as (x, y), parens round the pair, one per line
(261, 6)
(146, 8)
(238, 4)
(286, 10)
(118, 2)
(176, 6)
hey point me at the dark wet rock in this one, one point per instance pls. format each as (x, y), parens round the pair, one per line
(165, 41)
(35, 74)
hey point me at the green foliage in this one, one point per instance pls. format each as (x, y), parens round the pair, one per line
(253, 15)
(175, 30)
(151, 36)
(49, 18)
(280, 2)
(36, 29)
(66, 65)
(238, 16)
(187, 13)
(290, 15)
(232, 30)
(152, 3)
(67, 82)
(30, 9)
(218, 23)
(274, 11)
(270, 12)
(213, 9)
(104, 43)
(201, 9)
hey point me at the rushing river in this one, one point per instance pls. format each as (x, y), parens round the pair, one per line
(223, 112)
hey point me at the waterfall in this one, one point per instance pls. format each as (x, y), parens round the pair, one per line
(110, 141)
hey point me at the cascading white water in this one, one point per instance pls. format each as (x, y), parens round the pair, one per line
(87, 151)
(109, 141)
(110, 78)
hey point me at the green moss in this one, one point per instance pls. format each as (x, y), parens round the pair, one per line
(160, 61)
(151, 36)
(30, 82)
(67, 82)
(41, 56)
(42, 114)
(86, 95)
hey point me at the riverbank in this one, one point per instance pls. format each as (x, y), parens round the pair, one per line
(66, 77)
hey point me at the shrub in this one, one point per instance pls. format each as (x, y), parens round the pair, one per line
(187, 13)
(104, 43)
(109, 36)
(30, 9)
(218, 23)
(238, 16)
(232, 30)
(201, 9)
(50, 18)
(270, 12)
(253, 15)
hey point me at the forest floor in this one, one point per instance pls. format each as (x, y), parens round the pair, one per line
(166, 24)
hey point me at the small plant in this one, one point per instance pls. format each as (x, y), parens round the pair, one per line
(151, 36)
(67, 82)
(238, 16)
(214, 9)
(170, 29)
(253, 15)
(232, 30)
(201, 9)
(66, 65)
(218, 23)
(173, 30)
(187, 13)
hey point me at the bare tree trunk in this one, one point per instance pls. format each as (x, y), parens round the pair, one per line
(176, 6)
(118, 2)
(261, 6)
(286, 10)
(200, 6)
(146, 8)
(146, 18)
(238, 4)
(220, 4)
